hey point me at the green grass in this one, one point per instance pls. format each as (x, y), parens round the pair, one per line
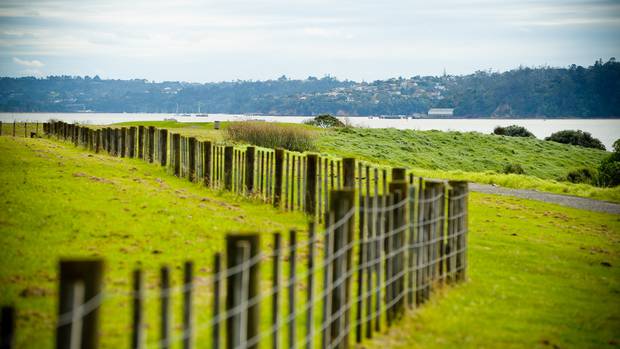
(536, 272)
(59, 201)
(472, 156)
(537, 278)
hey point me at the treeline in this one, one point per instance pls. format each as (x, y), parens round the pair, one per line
(575, 91)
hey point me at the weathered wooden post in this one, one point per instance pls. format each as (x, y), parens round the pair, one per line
(123, 141)
(242, 288)
(0, 128)
(191, 154)
(141, 141)
(117, 138)
(137, 326)
(7, 327)
(207, 154)
(151, 143)
(228, 167)
(310, 285)
(277, 272)
(292, 283)
(165, 314)
(348, 172)
(97, 141)
(163, 147)
(398, 190)
(341, 203)
(188, 283)
(14, 126)
(458, 226)
(312, 163)
(217, 286)
(132, 142)
(80, 296)
(176, 153)
(277, 188)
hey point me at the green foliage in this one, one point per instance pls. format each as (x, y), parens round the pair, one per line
(272, 135)
(616, 146)
(609, 170)
(512, 131)
(576, 137)
(325, 121)
(582, 175)
(513, 168)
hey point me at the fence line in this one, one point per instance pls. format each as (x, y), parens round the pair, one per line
(390, 240)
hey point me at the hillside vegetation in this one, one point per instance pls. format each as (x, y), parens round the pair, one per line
(574, 91)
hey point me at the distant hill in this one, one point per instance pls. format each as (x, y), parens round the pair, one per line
(575, 91)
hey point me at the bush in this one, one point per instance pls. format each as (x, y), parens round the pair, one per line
(582, 175)
(272, 135)
(513, 131)
(576, 137)
(325, 121)
(609, 169)
(513, 168)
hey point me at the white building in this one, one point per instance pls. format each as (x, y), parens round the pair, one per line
(441, 112)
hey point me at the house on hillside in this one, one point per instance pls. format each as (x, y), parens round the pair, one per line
(441, 112)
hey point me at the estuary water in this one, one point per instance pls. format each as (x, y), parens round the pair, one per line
(607, 130)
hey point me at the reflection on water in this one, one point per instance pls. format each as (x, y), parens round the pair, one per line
(607, 130)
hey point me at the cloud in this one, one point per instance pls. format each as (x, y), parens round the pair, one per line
(30, 64)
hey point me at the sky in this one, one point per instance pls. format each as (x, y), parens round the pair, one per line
(206, 41)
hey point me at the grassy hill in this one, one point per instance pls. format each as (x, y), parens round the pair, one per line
(472, 156)
(538, 272)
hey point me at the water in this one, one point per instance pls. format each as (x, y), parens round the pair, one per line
(607, 130)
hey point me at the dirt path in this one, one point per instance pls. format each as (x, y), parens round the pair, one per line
(564, 200)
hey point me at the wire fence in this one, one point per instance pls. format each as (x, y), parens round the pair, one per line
(390, 239)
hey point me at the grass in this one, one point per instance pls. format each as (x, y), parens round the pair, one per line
(538, 272)
(272, 135)
(472, 156)
(540, 276)
(59, 201)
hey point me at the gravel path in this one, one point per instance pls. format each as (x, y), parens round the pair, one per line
(564, 200)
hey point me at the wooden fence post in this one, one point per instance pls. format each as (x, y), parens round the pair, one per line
(250, 155)
(312, 163)
(151, 143)
(411, 250)
(123, 141)
(341, 203)
(79, 291)
(348, 172)
(117, 138)
(277, 272)
(141, 142)
(292, 282)
(163, 147)
(188, 283)
(207, 156)
(228, 167)
(14, 126)
(458, 226)
(310, 286)
(176, 153)
(191, 155)
(217, 286)
(132, 142)
(398, 189)
(0, 128)
(165, 314)
(277, 188)
(7, 327)
(137, 329)
(241, 288)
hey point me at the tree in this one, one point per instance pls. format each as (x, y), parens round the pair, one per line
(576, 137)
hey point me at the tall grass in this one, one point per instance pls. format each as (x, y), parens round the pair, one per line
(272, 135)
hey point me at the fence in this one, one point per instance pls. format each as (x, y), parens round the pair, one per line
(389, 240)
(19, 129)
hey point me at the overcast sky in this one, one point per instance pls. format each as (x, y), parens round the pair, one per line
(205, 41)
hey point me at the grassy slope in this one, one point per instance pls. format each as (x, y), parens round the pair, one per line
(472, 156)
(61, 201)
(546, 283)
(536, 279)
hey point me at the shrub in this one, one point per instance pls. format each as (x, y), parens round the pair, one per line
(325, 121)
(582, 175)
(513, 168)
(609, 170)
(576, 137)
(272, 135)
(513, 131)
